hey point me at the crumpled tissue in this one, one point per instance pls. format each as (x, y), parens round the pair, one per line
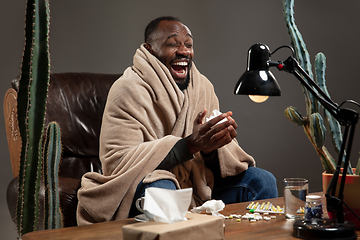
(168, 206)
(215, 114)
(211, 206)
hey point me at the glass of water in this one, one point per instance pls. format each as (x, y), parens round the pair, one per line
(295, 191)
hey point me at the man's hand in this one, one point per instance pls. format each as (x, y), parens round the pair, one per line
(209, 136)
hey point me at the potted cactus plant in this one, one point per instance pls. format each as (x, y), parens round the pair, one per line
(40, 152)
(314, 122)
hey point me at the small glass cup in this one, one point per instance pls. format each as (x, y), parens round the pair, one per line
(313, 208)
(295, 191)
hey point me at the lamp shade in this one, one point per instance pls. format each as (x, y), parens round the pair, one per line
(257, 79)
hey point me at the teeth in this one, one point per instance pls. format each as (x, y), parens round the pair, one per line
(181, 63)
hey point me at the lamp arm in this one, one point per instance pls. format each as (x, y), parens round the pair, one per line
(346, 117)
(293, 67)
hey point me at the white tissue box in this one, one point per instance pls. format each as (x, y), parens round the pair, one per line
(198, 226)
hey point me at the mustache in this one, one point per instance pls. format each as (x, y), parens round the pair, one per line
(181, 57)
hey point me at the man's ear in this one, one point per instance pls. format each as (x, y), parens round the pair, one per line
(148, 47)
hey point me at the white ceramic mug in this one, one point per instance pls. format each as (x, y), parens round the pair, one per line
(139, 204)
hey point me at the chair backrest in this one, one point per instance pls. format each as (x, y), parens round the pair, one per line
(76, 101)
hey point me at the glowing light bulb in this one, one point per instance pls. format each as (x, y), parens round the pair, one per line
(258, 98)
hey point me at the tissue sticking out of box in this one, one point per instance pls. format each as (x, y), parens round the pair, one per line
(211, 206)
(215, 114)
(168, 206)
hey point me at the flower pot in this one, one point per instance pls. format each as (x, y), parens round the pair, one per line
(351, 195)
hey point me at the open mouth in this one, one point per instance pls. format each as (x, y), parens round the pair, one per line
(179, 70)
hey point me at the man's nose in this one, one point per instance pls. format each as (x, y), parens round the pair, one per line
(183, 50)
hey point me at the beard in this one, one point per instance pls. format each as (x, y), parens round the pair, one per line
(184, 85)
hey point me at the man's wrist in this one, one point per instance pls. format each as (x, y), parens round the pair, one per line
(191, 146)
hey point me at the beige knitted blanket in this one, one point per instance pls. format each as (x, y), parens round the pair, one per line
(145, 115)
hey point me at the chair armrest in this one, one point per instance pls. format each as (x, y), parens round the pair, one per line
(12, 129)
(68, 188)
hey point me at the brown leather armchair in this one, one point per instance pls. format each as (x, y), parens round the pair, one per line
(76, 101)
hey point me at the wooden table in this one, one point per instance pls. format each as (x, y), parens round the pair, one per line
(279, 228)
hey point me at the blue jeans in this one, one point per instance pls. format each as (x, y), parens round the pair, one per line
(250, 185)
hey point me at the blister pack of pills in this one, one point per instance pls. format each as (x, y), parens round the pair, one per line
(268, 208)
(265, 207)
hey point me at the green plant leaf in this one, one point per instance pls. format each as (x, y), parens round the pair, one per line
(335, 128)
(32, 95)
(52, 157)
(294, 115)
(317, 129)
(301, 53)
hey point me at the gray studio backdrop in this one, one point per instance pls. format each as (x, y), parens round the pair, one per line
(102, 36)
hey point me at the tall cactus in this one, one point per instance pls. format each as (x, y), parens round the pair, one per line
(313, 123)
(32, 96)
(52, 156)
(301, 52)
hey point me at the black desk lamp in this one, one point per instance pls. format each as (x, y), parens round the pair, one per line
(259, 81)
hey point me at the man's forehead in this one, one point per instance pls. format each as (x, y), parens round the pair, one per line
(169, 29)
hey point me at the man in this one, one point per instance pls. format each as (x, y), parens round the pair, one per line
(154, 133)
